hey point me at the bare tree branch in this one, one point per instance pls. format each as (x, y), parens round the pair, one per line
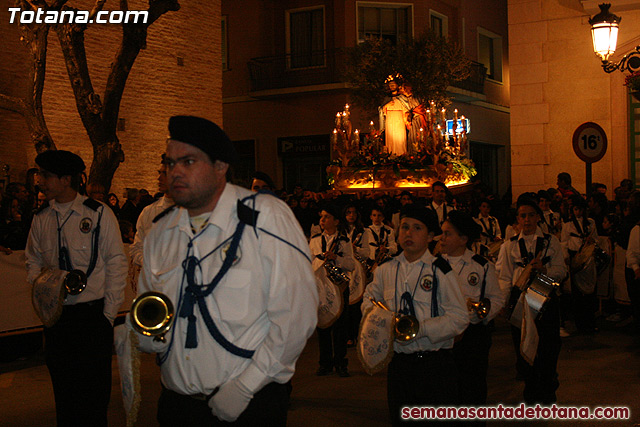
(96, 8)
(11, 103)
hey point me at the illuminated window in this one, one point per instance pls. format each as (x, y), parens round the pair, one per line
(389, 21)
(490, 53)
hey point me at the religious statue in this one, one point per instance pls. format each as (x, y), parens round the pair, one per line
(415, 117)
(392, 118)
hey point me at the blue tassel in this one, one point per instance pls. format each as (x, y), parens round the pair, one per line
(192, 337)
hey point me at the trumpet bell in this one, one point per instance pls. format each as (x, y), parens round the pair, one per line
(152, 314)
(75, 281)
(481, 308)
(406, 328)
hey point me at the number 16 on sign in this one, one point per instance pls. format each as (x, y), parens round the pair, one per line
(590, 145)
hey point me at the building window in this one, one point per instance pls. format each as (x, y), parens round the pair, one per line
(389, 21)
(439, 23)
(490, 53)
(305, 34)
(225, 44)
(245, 164)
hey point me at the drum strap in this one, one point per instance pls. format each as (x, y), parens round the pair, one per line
(582, 233)
(528, 257)
(488, 229)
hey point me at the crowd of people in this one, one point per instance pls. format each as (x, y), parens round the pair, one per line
(448, 264)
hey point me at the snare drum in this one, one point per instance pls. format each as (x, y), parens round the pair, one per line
(494, 248)
(538, 293)
(580, 259)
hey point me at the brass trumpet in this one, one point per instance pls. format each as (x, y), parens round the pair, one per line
(152, 314)
(406, 325)
(481, 308)
(74, 282)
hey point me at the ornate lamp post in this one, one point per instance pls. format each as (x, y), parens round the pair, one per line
(604, 31)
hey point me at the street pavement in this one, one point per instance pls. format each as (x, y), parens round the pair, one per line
(595, 370)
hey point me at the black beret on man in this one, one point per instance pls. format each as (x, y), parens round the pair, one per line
(60, 162)
(203, 134)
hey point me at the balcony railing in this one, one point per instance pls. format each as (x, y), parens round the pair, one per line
(284, 71)
(475, 81)
(323, 67)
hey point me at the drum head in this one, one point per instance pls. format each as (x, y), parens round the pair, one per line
(48, 295)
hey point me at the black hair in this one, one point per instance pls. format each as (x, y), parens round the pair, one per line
(439, 184)
(464, 225)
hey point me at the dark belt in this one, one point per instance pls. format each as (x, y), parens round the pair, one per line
(423, 354)
(205, 397)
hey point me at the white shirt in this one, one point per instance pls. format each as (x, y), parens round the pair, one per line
(571, 236)
(510, 263)
(108, 278)
(344, 249)
(376, 235)
(470, 274)
(550, 222)
(442, 211)
(417, 279)
(490, 229)
(266, 302)
(633, 250)
(144, 224)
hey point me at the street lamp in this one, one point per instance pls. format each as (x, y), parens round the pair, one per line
(604, 31)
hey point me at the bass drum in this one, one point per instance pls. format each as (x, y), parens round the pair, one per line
(356, 284)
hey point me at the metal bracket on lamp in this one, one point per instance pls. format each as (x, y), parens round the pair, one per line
(630, 62)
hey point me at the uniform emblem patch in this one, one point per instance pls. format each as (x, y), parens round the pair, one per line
(223, 253)
(85, 225)
(473, 279)
(426, 282)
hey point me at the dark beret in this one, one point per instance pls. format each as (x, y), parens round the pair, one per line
(464, 224)
(262, 176)
(60, 162)
(203, 134)
(526, 200)
(331, 209)
(426, 216)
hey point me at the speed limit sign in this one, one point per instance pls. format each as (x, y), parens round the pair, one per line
(590, 142)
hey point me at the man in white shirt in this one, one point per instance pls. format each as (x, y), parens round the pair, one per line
(145, 220)
(378, 239)
(332, 247)
(73, 232)
(439, 201)
(544, 253)
(490, 228)
(550, 222)
(237, 267)
(422, 371)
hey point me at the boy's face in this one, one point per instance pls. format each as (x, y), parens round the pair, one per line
(451, 240)
(351, 215)
(328, 222)
(439, 194)
(544, 204)
(413, 236)
(377, 217)
(485, 209)
(528, 219)
(577, 211)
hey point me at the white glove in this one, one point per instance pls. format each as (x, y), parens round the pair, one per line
(230, 401)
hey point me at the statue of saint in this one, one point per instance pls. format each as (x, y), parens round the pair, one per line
(415, 117)
(392, 118)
